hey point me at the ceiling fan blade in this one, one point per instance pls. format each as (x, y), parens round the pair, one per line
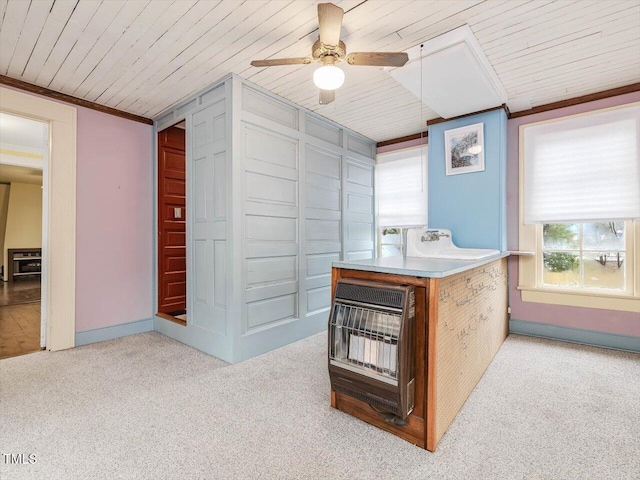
(327, 96)
(330, 21)
(378, 59)
(272, 62)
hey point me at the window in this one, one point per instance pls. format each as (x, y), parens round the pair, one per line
(579, 206)
(401, 196)
(585, 256)
(390, 242)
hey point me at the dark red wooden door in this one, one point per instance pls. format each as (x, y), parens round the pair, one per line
(172, 237)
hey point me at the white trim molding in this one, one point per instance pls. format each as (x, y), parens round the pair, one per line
(61, 289)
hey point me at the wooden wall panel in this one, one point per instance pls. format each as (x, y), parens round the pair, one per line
(472, 324)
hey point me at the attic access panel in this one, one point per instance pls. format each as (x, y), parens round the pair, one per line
(451, 75)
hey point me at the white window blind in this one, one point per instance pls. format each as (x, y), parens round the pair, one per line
(584, 168)
(401, 188)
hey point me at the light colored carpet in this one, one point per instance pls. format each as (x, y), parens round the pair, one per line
(146, 406)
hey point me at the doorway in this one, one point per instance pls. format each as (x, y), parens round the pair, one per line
(59, 252)
(172, 236)
(24, 149)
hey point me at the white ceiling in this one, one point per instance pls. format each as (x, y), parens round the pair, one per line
(23, 134)
(143, 56)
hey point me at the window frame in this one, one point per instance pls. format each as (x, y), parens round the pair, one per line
(531, 266)
(381, 244)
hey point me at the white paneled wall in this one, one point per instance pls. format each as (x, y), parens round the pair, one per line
(270, 177)
(323, 223)
(275, 195)
(358, 210)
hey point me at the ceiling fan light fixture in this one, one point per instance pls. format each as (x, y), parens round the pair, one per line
(329, 50)
(328, 77)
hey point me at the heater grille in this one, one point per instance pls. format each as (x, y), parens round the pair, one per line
(371, 343)
(366, 338)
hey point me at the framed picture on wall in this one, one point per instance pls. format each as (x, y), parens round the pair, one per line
(464, 149)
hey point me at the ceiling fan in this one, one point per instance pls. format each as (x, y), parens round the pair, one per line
(329, 50)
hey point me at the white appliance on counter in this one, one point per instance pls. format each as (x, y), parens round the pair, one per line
(438, 243)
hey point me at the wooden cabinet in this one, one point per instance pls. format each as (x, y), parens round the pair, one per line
(24, 262)
(461, 321)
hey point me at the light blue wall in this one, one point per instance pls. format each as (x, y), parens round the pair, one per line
(472, 205)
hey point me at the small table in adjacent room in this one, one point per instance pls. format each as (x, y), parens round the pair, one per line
(24, 262)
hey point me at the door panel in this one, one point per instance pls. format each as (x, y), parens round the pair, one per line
(172, 295)
(208, 216)
(358, 218)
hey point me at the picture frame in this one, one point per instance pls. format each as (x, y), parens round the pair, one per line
(464, 149)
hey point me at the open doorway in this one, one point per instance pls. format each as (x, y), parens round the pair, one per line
(24, 149)
(172, 236)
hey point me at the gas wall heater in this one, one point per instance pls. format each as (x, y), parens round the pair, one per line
(371, 345)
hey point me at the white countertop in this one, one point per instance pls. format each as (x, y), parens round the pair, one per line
(417, 266)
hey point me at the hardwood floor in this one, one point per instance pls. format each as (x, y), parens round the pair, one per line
(19, 329)
(20, 291)
(19, 321)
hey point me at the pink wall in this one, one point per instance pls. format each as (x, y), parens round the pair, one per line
(114, 220)
(609, 321)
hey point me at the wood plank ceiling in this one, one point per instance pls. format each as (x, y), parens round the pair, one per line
(143, 56)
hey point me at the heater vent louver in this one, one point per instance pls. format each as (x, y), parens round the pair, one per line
(370, 295)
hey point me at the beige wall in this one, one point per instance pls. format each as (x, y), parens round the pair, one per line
(4, 204)
(24, 218)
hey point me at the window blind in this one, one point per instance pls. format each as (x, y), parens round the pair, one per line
(584, 168)
(401, 188)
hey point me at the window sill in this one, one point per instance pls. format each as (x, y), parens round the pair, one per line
(604, 301)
